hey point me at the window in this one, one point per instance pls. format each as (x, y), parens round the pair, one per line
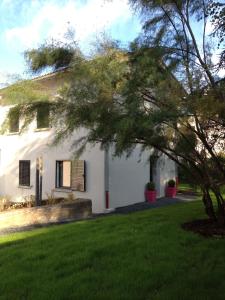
(63, 174)
(13, 121)
(71, 174)
(24, 172)
(43, 117)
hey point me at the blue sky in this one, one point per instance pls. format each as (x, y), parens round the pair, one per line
(27, 23)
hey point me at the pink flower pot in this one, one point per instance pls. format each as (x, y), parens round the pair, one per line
(150, 196)
(171, 192)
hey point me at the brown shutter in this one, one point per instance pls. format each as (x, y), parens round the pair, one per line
(78, 175)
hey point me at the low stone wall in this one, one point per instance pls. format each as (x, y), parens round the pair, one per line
(77, 209)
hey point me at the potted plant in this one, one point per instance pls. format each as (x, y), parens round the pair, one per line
(171, 189)
(150, 192)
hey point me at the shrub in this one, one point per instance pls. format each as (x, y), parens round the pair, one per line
(150, 186)
(171, 183)
(51, 198)
(4, 203)
(29, 201)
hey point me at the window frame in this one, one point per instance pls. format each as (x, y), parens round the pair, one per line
(11, 123)
(38, 118)
(21, 178)
(57, 185)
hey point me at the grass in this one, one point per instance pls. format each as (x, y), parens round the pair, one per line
(184, 187)
(143, 255)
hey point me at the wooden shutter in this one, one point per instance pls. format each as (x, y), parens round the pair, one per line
(78, 175)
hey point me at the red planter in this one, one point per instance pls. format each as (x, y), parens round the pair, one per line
(171, 192)
(150, 196)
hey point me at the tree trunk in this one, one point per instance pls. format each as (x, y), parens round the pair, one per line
(220, 207)
(209, 209)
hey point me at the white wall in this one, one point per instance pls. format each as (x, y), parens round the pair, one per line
(127, 178)
(165, 170)
(124, 178)
(33, 144)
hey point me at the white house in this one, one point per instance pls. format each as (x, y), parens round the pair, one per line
(108, 181)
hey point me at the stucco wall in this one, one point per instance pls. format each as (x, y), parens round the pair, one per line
(165, 170)
(124, 178)
(32, 144)
(127, 178)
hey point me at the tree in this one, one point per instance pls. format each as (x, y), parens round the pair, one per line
(169, 28)
(217, 12)
(163, 93)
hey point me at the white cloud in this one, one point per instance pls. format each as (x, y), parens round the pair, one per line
(209, 28)
(3, 79)
(7, 78)
(51, 21)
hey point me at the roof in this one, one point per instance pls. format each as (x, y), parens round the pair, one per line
(43, 85)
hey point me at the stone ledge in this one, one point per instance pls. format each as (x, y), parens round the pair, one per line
(77, 209)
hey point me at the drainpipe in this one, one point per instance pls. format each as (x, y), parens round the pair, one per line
(37, 192)
(106, 174)
(107, 199)
(41, 175)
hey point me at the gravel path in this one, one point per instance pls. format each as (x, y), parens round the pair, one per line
(159, 203)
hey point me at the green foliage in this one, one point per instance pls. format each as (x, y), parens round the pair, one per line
(43, 115)
(171, 183)
(216, 10)
(150, 186)
(55, 55)
(24, 91)
(13, 119)
(215, 173)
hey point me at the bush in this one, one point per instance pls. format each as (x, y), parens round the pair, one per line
(4, 203)
(51, 200)
(150, 186)
(171, 183)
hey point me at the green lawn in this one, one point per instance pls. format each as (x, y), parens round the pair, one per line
(144, 255)
(185, 187)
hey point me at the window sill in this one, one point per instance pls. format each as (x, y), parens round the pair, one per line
(13, 133)
(26, 187)
(42, 129)
(76, 190)
(63, 190)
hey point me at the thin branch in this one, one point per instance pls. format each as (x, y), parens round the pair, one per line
(204, 30)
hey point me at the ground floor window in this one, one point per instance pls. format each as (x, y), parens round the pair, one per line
(63, 174)
(24, 172)
(71, 174)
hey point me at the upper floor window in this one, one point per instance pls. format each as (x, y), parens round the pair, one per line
(43, 117)
(13, 121)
